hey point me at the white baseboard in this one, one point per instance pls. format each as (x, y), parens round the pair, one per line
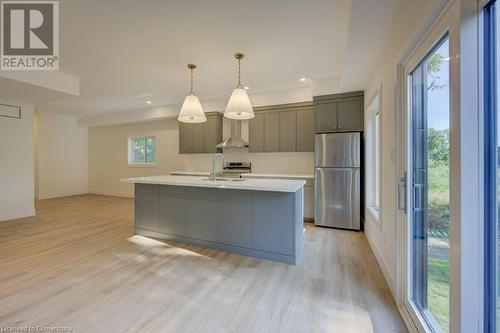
(382, 264)
(112, 193)
(60, 195)
(17, 213)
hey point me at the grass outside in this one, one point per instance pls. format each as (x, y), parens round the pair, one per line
(439, 291)
(438, 262)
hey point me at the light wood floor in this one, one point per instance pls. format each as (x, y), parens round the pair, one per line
(78, 264)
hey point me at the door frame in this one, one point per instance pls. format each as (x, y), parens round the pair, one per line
(447, 23)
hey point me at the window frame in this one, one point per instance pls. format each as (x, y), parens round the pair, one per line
(374, 172)
(490, 166)
(130, 154)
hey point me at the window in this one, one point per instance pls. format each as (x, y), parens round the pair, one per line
(142, 151)
(373, 155)
(492, 167)
(377, 160)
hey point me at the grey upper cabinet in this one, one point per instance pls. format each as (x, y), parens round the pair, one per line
(305, 130)
(201, 138)
(185, 138)
(282, 128)
(271, 132)
(350, 115)
(326, 117)
(256, 133)
(264, 132)
(339, 112)
(288, 131)
(212, 133)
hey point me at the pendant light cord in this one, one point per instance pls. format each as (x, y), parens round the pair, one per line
(239, 74)
(191, 91)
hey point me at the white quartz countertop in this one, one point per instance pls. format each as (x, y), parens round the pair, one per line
(272, 185)
(250, 175)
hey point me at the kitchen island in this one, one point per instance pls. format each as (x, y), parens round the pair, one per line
(261, 218)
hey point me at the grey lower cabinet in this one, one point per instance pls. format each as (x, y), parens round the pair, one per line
(262, 224)
(147, 207)
(201, 138)
(271, 215)
(173, 210)
(339, 112)
(234, 217)
(202, 213)
(282, 128)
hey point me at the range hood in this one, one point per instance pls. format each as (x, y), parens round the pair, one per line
(234, 140)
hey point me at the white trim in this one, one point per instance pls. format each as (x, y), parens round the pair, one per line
(372, 110)
(112, 193)
(60, 195)
(469, 302)
(17, 213)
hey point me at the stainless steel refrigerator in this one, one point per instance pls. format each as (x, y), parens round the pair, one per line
(338, 180)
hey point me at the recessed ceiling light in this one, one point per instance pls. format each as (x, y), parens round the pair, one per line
(247, 87)
(303, 79)
(149, 102)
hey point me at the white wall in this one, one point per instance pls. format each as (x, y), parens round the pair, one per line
(108, 157)
(383, 237)
(62, 151)
(16, 166)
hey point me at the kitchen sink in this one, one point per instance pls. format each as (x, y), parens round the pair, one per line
(225, 179)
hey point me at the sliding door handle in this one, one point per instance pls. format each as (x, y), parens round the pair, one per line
(402, 194)
(418, 197)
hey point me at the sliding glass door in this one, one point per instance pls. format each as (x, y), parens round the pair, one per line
(430, 78)
(430, 195)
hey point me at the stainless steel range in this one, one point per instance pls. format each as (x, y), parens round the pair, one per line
(235, 169)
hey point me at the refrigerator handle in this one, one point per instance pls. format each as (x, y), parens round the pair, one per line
(402, 193)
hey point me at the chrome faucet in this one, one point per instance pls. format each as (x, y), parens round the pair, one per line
(213, 176)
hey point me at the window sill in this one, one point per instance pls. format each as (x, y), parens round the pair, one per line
(141, 165)
(375, 212)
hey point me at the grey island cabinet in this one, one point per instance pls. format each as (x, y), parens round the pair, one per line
(262, 218)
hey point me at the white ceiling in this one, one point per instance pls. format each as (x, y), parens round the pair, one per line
(126, 52)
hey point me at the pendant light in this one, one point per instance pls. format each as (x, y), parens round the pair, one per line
(239, 106)
(191, 111)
